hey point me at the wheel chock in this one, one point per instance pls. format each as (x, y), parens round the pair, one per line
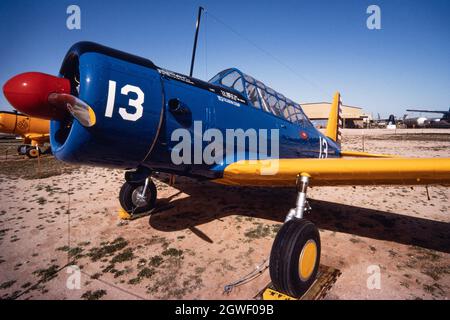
(270, 294)
(123, 215)
(326, 278)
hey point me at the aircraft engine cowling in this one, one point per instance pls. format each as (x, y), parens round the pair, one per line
(125, 95)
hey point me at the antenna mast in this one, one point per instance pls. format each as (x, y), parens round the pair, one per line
(197, 27)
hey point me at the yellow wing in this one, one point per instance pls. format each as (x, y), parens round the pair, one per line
(360, 169)
(341, 171)
(359, 154)
(37, 138)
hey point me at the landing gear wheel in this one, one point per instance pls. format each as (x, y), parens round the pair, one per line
(32, 152)
(295, 257)
(22, 149)
(131, 200)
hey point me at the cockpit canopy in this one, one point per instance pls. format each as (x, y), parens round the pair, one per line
(260, 96)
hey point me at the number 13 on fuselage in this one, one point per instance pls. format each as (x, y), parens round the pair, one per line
(136, 103)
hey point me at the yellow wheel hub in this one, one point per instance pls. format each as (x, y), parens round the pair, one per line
(307, 260)
(34, 153)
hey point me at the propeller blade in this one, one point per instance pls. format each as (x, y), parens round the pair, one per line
(76, 107)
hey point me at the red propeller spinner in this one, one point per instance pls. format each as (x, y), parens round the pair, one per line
(29, 93)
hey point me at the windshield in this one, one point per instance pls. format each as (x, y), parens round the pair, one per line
(261, 96)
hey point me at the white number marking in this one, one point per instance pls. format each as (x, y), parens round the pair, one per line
(323, 148)
(136, 103)
(111, 99)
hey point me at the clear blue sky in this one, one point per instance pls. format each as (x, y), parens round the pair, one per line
(326, 43)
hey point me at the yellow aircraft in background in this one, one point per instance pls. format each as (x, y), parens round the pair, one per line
(34, 131)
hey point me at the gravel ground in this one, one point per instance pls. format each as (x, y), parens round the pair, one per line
(203, 236)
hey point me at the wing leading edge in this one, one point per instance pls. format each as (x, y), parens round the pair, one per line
(339, 172)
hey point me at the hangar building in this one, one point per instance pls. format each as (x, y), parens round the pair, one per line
(354, 117)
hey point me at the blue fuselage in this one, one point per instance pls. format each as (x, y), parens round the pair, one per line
(139, 106)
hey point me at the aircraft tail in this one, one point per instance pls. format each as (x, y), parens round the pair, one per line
(446, 116)
(334, 125)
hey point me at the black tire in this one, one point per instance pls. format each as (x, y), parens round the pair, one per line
(32, 152)
(22, 149)
(289, 243)
(126, 197)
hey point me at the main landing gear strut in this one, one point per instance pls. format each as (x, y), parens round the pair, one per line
(295, 255)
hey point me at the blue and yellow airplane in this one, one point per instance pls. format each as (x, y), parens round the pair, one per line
(112, 109)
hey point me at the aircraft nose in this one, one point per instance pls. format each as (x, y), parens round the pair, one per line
(29, 93)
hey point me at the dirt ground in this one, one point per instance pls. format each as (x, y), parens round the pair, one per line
(203, 236)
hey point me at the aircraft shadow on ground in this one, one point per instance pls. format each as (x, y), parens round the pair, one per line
(207, 202)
